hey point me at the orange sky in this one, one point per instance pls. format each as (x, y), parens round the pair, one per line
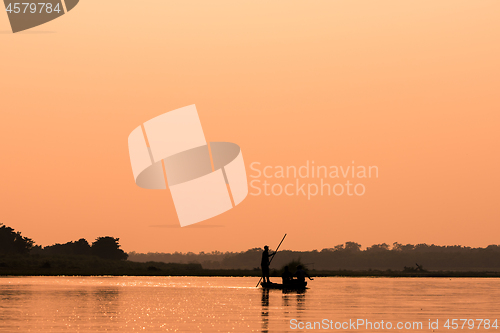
(409, 86)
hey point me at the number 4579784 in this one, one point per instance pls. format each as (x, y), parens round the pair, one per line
(33, 8)
(470, 324)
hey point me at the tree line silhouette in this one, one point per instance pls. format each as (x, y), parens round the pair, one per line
(349, 256)
(12, 243)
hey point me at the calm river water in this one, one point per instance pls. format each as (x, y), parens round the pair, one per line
(221, 304)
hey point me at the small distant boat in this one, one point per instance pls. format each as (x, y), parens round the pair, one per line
(288, 286)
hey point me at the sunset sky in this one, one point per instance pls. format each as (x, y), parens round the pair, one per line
(411, 87)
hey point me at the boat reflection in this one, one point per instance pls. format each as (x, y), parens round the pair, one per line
(289, 300)
(265, 310)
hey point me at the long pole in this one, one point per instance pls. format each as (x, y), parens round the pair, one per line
(272, 257)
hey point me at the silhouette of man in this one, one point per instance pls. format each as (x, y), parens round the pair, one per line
(264, 264)
(286, 276)
(301, 274)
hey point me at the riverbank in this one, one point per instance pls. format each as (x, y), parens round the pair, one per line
(88, 266)
(93, 266)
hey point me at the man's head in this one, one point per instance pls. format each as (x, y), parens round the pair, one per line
(299, 267)
(266, 247)
(286, 268)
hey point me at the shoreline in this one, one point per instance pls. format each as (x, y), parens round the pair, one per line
(245, 273)
(95, 266)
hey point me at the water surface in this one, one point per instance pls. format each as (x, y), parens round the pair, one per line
(225, 304)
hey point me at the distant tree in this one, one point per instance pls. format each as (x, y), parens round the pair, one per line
(402, 248)
(397, 246)
(339, 247)
(423, 247)
(378, 248)
(329, 249)
(80, 247)
(36, 249)
(493, 248)
(352, 247)
(12, 242)
(108, 248)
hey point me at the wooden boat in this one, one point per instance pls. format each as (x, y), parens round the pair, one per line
(288, 286)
